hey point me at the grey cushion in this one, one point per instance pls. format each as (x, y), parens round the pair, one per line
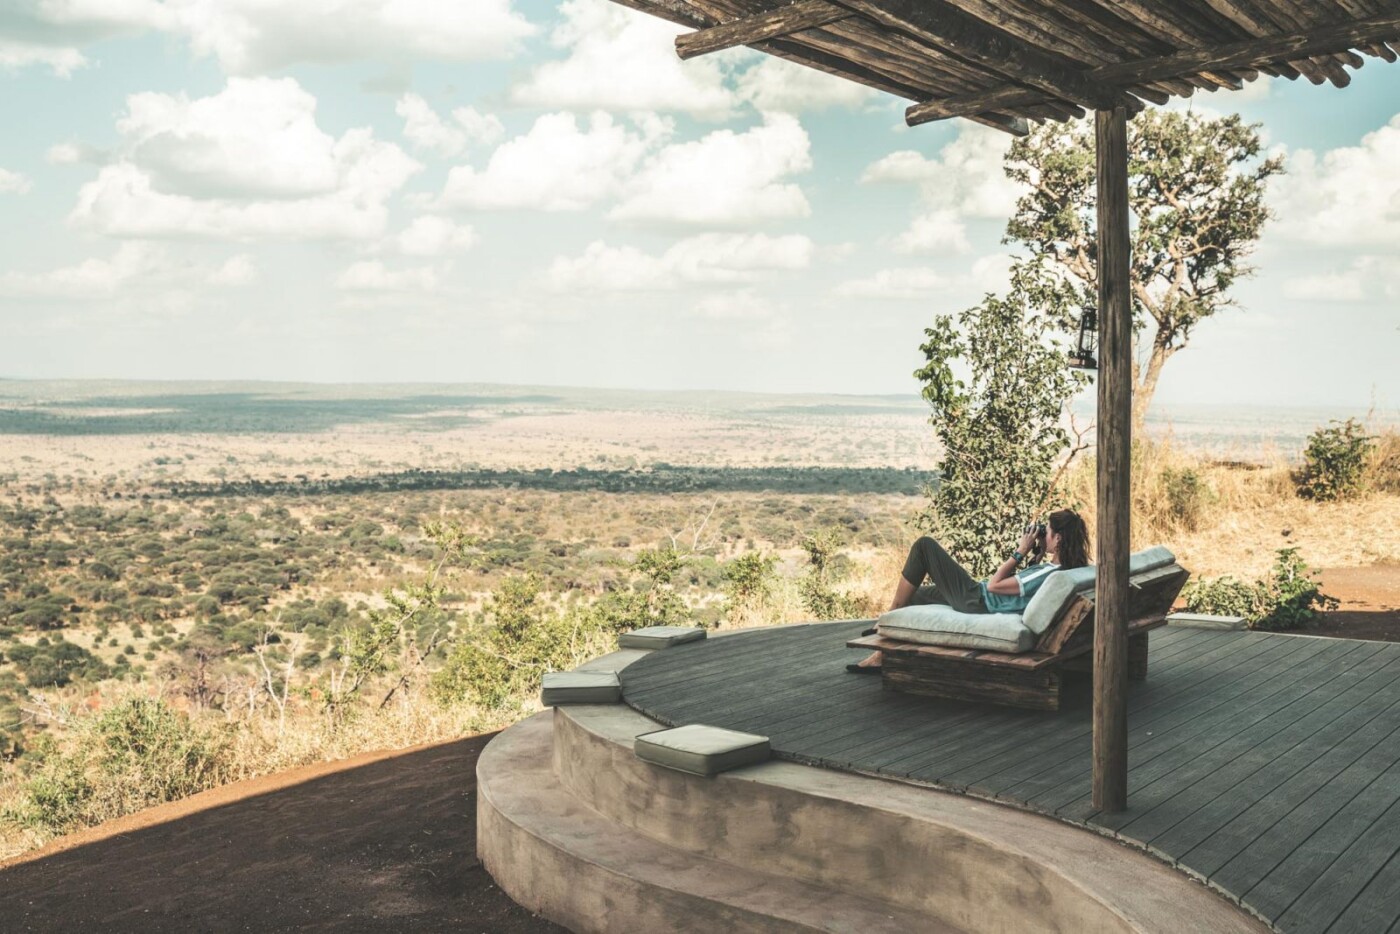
(1060, 587)
(580, 687)
(936, 624)
(659, 637)
(700, 749)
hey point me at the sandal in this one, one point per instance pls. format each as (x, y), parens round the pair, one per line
(871, 631)
(859, 669)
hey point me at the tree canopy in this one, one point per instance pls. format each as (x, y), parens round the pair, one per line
(1196, 191)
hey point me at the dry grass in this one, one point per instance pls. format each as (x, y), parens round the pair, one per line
(1231, 518)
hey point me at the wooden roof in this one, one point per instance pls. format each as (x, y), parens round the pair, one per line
(1008, 62)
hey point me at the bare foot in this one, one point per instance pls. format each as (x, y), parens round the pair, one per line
(873, 660)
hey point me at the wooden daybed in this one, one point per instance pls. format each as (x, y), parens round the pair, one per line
(1029, 679)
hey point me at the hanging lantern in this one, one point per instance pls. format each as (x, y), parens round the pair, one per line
(1083, 355)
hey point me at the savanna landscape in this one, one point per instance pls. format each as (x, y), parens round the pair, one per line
(205, 583)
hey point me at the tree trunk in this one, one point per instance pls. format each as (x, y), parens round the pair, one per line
(1146, 382)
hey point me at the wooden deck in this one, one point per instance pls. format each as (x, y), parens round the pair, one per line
(1266, 764)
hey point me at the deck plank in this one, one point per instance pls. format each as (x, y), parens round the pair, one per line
(1268, 764)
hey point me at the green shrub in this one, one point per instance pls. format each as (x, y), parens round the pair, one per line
(1188, 496)
(1288, 598)
(135, 754)
(748, 581)
(1335, 462)
(817, 587)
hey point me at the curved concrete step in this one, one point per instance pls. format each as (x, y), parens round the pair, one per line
(560, 858)
(974, 865)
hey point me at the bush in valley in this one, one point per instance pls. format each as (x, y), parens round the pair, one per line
(748, 585)
(826, 567)
(1383, 473)
(1335, 462)
(49, 664)
(135, 754)
(520, 638)
(1188, 496)
(1288, 598)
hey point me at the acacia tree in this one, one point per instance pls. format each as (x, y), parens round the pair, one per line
(1196, 190)
(996, 380)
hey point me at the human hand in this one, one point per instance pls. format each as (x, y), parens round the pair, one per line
(1027, 543)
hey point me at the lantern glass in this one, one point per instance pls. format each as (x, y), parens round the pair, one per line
(1084, 355)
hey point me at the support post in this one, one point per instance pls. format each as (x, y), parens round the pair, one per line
(1110, 792)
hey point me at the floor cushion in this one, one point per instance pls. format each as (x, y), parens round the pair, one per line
(700, 749)
(580, 687)
(659, 637)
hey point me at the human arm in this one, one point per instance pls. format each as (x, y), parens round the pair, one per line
(1004, 581)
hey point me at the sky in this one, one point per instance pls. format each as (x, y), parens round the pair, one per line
(533, 192)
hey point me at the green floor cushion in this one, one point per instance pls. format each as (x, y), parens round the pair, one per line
(1061, 587)
(659, 637)
(580, 687)
(936, 624)
(701, 750)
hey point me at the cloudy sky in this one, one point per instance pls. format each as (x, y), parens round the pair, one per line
(531, 191)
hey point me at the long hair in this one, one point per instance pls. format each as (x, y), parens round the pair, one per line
(1074, 538)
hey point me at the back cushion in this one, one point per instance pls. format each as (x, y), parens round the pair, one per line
(1061, 587)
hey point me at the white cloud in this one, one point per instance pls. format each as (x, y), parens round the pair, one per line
(609, 269)
(133, 268)
(430, 235)
(254, 36)
(910, 282)
(965, 177)
(1326, 287)
(778, 85)
(13, 183)
(745, 304)
(965, 180)
(426, 130)
(236, 270)
(723, 179)
(373, 276)
(257, 137)
(74, 154)
(938, 231)
(48, 32)
(556, 166)
(986, 274)
(1350, 196)
(249, 162)
(708, 258)
(430, 132)
(619, 59)
(480, 127)
(61, 61)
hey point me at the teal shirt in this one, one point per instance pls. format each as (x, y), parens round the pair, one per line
(1028, 581)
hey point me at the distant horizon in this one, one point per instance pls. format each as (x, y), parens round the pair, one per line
(1080, 404)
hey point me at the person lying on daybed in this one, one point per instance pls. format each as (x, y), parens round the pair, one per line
(1006, 591)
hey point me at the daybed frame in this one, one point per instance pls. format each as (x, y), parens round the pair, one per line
(1029, 679)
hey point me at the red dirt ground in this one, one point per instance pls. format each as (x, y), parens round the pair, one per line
(384, 842)
(1370, 603)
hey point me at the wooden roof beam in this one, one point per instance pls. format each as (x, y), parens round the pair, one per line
(783, 21)
(942, 26)
(1320, 40)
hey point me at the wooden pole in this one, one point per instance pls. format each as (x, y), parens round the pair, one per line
(1114, 454)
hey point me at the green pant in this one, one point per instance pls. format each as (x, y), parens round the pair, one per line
(951, 584)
